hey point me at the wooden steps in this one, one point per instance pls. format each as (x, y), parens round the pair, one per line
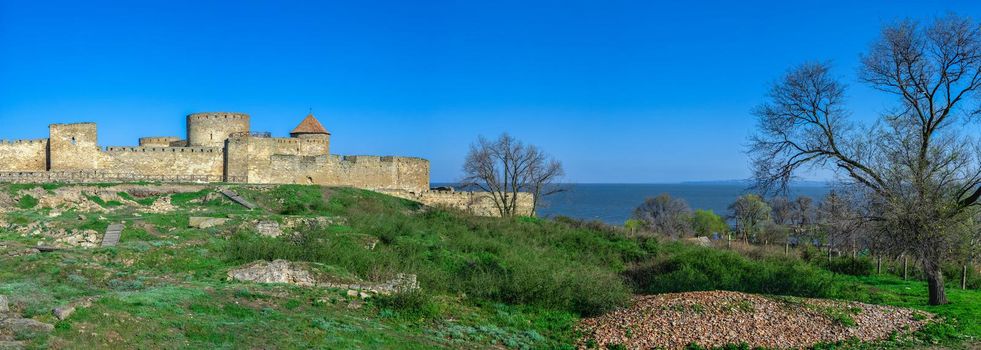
(112, 235)
(238, 199)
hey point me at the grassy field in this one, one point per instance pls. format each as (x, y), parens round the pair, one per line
(518, 283)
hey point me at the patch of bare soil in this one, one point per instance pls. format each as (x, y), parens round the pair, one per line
(719, 318)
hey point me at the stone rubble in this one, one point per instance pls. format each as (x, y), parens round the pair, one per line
(269, 228)
(719, 318)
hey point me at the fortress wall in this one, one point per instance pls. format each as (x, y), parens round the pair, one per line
(213, 128)
(74, 147)
(237, 159)
(24, 155)
(276, 160)
(475, 203)
(160, 161)
(413, 173)
(378, 173)
(368, 172)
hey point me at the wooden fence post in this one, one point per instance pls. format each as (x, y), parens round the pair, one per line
(964, 277)
(905, 267)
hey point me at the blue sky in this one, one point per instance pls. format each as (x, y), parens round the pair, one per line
(620, 91)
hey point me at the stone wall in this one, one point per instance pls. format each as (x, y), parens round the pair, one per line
(73, 147)
(156, 161)
(24, 155)
(213, 128)
(98, 176)
(475, 203)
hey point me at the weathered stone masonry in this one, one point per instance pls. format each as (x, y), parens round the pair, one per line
(220, 147)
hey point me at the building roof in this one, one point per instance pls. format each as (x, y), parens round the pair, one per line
(309, 125)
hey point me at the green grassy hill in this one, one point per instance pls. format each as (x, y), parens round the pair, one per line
(518, 283)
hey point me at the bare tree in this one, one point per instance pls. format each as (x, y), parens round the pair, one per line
(803, 216)
(506, 167)
(750, 213)
(840, 219)
(923, 171)
(665, 215)
(783, 214)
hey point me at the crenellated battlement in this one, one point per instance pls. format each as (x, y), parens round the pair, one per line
(165, 149)
(21, 142)
(158, 140)
(218, 116)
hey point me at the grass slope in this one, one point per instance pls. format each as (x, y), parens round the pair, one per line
(517, 283)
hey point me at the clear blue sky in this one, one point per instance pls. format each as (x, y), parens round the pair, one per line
(620, 91)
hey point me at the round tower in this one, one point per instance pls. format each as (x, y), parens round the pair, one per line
(211, 129)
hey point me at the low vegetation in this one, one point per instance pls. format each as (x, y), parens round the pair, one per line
(520, 283)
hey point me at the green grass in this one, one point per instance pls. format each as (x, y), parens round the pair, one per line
(518, 283)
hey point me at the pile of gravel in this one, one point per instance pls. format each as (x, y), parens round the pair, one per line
(718, 318)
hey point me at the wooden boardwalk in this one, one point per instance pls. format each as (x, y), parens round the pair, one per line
(238, 199)
(112, 235)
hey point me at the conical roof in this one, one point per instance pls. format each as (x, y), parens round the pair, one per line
(309, 125)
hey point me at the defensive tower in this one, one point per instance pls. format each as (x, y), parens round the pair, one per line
(211, 129)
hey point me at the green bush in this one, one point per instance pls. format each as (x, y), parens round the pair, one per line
(689, 268)
(861, 266)
(412, 304)
(27, 202)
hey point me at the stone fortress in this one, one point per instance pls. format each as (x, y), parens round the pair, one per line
(220, 147)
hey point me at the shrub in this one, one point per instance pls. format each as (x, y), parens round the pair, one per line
(689, 268)
(27, 202)
(861, 266)
(410, 304)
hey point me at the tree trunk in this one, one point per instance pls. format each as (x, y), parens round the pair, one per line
(878, 265)
(964, 277)
(935, 282)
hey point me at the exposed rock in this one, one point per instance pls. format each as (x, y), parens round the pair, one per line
(295, 222)
(5, 201)
(161, 205)
(4, 306)
(63, 312)
(699, 241)
(205, 222)
(279, 271)
(269, 228)
(282, 271)
(75, 238)
(25, 326)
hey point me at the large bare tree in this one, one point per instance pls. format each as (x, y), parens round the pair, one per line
(665, 215)
(915, 162)
(506, 167)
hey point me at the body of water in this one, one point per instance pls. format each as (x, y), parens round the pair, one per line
(613, 203)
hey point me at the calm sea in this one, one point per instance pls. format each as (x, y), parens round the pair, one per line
(613, 203)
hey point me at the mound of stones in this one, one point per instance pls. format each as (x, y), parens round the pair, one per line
(283, 271)
(719, 318)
